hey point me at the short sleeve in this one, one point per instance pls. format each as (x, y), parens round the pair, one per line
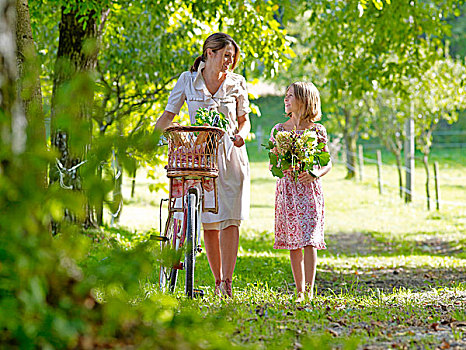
(242, 101)
(322, 134)
(272, 131)
(177, 96)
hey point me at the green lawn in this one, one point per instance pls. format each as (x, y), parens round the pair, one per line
(393, 274)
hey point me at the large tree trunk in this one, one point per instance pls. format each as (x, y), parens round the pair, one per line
(13, 121)
(71, 115)
(29, 82)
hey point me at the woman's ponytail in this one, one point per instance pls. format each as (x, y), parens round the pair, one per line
(196, 64)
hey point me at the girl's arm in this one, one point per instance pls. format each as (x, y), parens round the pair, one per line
(307, 178)
(325, 169)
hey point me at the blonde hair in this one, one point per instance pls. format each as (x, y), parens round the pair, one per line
(215, 42)
(308, 98)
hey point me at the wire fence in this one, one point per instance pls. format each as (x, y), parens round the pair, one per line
(383, 184)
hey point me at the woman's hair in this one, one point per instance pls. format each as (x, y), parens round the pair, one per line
(308, 98)
(216, 42)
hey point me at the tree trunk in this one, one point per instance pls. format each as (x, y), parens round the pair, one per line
(350, 136)
(99, 210)
(13, 121)
(133, 182)
(117, 201)
(399, 167)
(425, 160)
(29, 69)
(71, 115)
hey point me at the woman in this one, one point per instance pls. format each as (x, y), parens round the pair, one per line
(211, 84)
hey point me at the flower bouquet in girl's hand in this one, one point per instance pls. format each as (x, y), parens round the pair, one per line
(297, 152)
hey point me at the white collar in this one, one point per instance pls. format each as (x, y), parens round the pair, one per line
(199, 83)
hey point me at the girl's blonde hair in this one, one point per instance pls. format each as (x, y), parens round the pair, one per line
(308, 98)
(215, 42)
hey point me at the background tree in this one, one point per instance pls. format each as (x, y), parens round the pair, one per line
(136, 71)
(438, 95)
(388, 113)
(362, 44)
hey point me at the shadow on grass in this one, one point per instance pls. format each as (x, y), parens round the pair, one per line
(331, 279)
(355, 262)
(377, 243)
(353, 244)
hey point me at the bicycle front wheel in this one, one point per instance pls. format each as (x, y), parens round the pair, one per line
(168, 273)
(191, 228)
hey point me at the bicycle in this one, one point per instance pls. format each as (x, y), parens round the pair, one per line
(192, 165)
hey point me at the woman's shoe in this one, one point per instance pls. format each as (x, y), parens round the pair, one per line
(300, 298)
(218, 289)
(226, 288)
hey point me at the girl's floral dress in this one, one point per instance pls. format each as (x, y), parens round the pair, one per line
(299, 209)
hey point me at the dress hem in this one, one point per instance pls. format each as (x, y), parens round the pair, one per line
(317, 246)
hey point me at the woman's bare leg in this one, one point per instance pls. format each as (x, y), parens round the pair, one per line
(229, 240)
(212, 248)
(297, 266)
(310, 263)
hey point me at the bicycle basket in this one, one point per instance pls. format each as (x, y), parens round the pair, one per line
(192, 150)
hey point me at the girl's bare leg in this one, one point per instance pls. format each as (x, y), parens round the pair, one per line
(310, 263)
(297, 266)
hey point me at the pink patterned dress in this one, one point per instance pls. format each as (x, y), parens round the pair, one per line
(299, 209)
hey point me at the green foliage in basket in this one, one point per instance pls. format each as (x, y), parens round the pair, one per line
(212, 118)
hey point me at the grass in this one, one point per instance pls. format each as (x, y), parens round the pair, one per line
(393, 275)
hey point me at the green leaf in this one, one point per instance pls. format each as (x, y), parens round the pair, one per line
(276, 171)
(321, 145)
(310, 163)
(324, 158)
(273, 158)
(285, 164)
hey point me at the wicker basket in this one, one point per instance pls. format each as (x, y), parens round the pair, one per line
(192, 151)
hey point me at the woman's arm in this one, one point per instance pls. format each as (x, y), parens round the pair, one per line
(244, 127)
(164, 121)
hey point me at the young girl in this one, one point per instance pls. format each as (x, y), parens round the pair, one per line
(299, 204)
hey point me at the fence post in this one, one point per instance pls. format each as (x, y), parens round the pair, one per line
(409, 156)
(437, 185)
(361, 162)
(379, 171)
(259, 137)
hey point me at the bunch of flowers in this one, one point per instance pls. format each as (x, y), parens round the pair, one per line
(296, 152)
(212, 118)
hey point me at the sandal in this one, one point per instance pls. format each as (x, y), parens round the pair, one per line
(226, 288)
(218, 289)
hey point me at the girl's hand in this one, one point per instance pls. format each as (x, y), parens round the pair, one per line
(305, 178)
(238, 141)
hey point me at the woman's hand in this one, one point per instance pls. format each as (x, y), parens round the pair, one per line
(238, 141)
(305, 178)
